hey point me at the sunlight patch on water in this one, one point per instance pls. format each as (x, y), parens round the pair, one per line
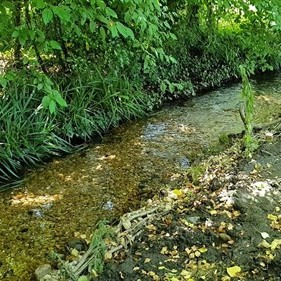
(30, 199)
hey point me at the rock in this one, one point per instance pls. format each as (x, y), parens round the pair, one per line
(77, 244)
(36, 213)
(42, 271)
(108, 205)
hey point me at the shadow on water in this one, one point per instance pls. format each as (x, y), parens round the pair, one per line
(65, 198)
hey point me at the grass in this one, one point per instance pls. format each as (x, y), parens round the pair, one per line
(29, 134)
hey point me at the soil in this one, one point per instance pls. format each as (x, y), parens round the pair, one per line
(224, 226)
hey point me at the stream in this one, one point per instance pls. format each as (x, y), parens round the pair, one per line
(65, 198)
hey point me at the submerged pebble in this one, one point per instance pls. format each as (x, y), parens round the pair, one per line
(108, 205)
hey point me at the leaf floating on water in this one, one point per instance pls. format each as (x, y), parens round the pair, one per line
(233, 271)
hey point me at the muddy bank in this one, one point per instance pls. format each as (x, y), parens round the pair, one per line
(227, 226)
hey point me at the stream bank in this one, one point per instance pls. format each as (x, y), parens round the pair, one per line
(64, 199)
(226, 227)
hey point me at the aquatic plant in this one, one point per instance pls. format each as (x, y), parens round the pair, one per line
(93, 260)
(246, 113)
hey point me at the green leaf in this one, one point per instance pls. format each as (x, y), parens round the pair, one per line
(146, 64)
(55, 45)
(114, 31)
(3, 82)
(59, 99)
(111, 13)
(171, 87)
(92, 26)
(62, 12)
(101, 4)
(173, 36)
(39, 4)
(15, 34)
(124, 30)
(102, 19)
(102, 34)
(46, 101)
(163, 87)
(40, 86)
(52, 106)
(47, 15)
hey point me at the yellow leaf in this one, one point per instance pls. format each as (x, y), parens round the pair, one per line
(236, 214)
(177, 192)
(197, 254)
(275, 243)
(232, 271)
(264, 244)
(186, 274)
(108, 256)
(203, 250)
(213, 212)
(74, 253)
(272, 217)
(164, 251)
(147, 260)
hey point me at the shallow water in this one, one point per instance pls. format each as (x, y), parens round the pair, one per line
(65, 198)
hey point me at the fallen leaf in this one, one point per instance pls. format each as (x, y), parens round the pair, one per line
(272, 217)
(236, 214)
(178, 192)
(264, 244)
(203, 250)
(275, 243)
(164, 251)
(264, 235)
(185, 274)
(233, 271)
(213, 212)
(74, 253)
(147, 260)
(197, 254)
(108, 256)
(224, 237)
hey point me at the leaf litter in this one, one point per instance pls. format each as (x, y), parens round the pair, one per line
(226, 226)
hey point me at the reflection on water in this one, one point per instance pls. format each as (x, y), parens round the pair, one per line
(66, 197)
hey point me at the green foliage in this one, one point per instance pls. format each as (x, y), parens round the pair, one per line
(195, 172)
(78, 67)
(248, 97)
(26, 132)
(93, 260)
